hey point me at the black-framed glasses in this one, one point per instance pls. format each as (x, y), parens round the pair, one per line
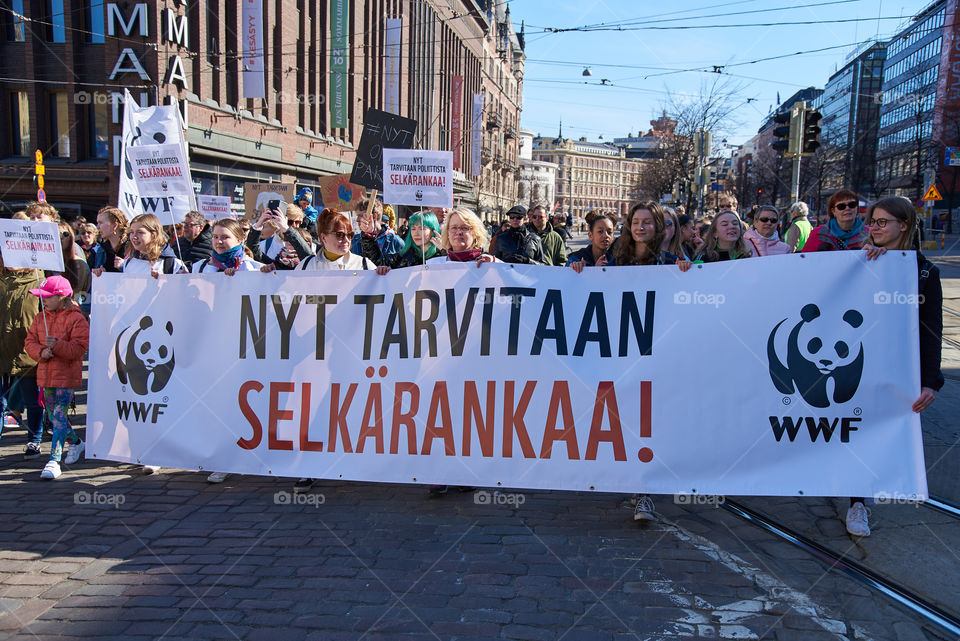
(880, 223)
(341, 235)
(764, 219)
(848, 205)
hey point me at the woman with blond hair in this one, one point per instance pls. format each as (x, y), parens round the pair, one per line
(147, 242)
(672, 241)
(724, 240)
(275, 239)
(463, 237)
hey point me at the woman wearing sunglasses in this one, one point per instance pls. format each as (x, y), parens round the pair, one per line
(763, 237)
(893, 226)
(336, 234)
(844, 230)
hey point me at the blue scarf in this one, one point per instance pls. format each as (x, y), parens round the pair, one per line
(841, 235)
(230, 259)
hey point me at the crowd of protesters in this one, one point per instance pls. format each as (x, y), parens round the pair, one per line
(45, 332)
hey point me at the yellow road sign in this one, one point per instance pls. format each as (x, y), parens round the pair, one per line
(39, 170)
(932, 194)
(39, 156)
(39, 181)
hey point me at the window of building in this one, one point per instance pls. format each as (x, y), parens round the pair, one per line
(99, 142)
(56, 23)
(93, 21)
(59, 125)
(20, 124)
(15, 30)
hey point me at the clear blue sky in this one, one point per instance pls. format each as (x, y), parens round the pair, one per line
(631, 60)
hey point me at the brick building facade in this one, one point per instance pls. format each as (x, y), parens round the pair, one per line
(65, 64)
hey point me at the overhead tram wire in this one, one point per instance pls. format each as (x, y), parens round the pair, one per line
(651, 19)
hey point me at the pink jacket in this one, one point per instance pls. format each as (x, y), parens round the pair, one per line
(763, 246)
(72, 332)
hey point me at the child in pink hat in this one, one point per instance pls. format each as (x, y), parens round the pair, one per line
(57, 340)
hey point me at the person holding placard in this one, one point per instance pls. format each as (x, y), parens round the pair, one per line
(18, 372)
(57, 340)
(109, 253)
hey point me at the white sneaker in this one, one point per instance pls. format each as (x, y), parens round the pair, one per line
(858, 520)
(644, 510)
(217, 477)
(74, 453)
(151, 469)
(50, 471)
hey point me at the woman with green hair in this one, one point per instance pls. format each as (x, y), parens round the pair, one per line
(422, 242)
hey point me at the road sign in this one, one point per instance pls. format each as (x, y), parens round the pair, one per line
(41, 196)
(39, 157)
(932, 194)
(952, 157)
(39, 181)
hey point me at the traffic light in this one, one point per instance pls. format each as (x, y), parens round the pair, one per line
(811, 131)
(781, 134)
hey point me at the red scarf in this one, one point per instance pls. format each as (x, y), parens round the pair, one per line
(465, 256)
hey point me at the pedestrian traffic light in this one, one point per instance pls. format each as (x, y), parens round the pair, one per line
(781, 134)
(811, 131)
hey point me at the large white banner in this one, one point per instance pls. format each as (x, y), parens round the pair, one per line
(150, 127)
(30, 244)
(161, 170)
(791, 376)
(391, 66)
(252, 34)
(417, 177)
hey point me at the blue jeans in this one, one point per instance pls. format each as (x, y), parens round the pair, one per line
(20, 392)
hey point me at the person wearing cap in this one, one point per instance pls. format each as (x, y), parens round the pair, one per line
(57, 340)
(304, 201)
(516, 243)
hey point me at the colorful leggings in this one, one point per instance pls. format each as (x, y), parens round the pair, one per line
(56, 401)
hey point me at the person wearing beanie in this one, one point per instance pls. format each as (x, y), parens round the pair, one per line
(304, 200)
(57, 340)
(517, 243)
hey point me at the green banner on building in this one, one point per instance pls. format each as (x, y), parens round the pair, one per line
(339, 53)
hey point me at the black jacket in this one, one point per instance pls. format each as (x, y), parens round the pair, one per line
(199, 249)
(586, 254)
(518, 245)
(931, 324)
(301, 246)
(410, 258)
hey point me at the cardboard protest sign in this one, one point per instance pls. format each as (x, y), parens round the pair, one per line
(214, 207)
(417, 177)
(337, 192)
(381, 130)
(257, 195)
(30, 244)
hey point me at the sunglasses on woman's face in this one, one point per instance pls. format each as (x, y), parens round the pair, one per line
(293, 223)
(341, 235)
(764, 219)
(850, 205)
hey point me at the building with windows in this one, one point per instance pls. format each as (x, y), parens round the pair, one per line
(851, 119)
(590, 175)
(919, 92)
(538, 178)
(66, 63)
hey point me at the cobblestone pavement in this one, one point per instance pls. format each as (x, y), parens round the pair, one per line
(107, 552)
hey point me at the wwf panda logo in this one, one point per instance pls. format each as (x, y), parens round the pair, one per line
(145, 356)
(824, 357)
